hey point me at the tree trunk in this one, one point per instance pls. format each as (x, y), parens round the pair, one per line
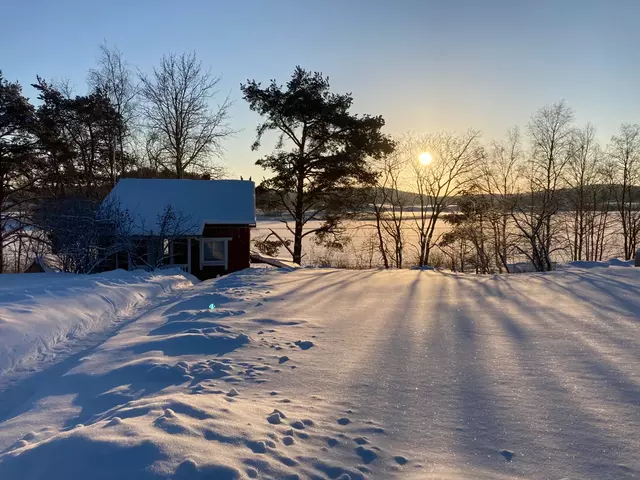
(297, 242)
(383, 250)
(179, 172)
(299, 211)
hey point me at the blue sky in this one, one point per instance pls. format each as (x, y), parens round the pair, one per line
(423, 65)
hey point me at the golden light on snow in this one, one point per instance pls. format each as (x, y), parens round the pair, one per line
(425, 158)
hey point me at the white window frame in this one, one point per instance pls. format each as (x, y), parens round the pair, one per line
(216, 263)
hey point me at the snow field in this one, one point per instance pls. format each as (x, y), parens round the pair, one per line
(334, 374)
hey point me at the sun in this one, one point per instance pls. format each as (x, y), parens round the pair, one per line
(425, 158)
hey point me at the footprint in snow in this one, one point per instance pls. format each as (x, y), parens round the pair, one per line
(252, 473)
(400, 460)
(298, 425)
(344, 421)
(367, 455)
(257, 446)
(507, 454)
(304, 345)
(276, 417)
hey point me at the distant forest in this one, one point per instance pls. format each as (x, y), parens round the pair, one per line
(546, 191)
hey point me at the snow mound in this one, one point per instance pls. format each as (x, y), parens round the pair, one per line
(44, 316)
(614, 262)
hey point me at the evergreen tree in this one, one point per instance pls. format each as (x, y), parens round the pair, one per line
(77, 139)
(321, 153)
(17, 120)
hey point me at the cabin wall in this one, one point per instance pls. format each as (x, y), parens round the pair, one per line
(238, 254)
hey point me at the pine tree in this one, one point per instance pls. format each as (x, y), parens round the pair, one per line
(321, 153)
(17, 120)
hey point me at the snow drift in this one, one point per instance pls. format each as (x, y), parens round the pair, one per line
(43, 316)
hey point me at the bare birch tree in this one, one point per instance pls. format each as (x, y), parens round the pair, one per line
(177, 107)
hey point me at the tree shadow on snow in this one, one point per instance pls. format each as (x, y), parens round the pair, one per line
(549, 355)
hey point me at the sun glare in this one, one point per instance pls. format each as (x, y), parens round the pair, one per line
(425, 158)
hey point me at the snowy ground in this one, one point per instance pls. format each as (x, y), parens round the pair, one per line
(347, 374)
(47, 316)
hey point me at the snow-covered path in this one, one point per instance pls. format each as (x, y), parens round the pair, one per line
(349, 374)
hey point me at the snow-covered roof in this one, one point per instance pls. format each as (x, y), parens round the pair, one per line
(222, 202)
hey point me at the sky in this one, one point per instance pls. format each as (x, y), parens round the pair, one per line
(423, 65)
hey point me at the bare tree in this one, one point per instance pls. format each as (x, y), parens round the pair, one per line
(455, 159)
(390, 205)
(115, 80)
(501, 171)
(177, 109)
(171, 224)
(87, 235)
(84, 233)
(624, 151)
(551, 133)
(588, 198)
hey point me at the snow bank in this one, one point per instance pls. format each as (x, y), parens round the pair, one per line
(614, 262)
(43, 315)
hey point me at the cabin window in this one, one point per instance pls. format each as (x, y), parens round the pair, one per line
(214, 252)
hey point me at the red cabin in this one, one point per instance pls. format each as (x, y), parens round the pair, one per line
(200, 226)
